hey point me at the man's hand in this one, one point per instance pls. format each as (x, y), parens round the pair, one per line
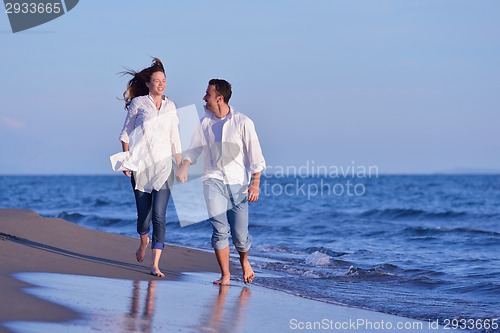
(127, 173)
(253, 193)
(253, 190)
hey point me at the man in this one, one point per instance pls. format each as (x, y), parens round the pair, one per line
(232, 156)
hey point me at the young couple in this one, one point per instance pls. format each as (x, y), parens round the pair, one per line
(233, 164)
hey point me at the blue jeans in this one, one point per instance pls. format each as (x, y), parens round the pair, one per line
(153, 207)
(228, 212)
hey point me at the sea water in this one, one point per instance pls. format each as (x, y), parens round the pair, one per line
(425, 247)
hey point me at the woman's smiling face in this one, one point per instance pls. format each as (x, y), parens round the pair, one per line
(157, 84)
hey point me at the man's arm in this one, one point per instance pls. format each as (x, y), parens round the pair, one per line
(253, 152)
(191, 155)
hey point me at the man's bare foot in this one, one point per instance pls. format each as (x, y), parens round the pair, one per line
(223, 281)
(248, 274)
(141, 250)
(156, 272)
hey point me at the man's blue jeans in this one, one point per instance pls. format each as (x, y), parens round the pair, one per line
(153, 207)
(228, 212)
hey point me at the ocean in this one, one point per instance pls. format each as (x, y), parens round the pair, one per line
(423, 246)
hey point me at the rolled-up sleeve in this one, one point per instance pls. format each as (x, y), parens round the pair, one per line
(254, 154)
(129, 124)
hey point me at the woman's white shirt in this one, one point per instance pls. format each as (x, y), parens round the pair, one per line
(151, 133)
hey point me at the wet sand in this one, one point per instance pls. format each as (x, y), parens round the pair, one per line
(57, 276)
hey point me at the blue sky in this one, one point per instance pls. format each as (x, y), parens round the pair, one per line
(407, 86)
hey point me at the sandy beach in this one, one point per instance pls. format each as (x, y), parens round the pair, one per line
(58, 276)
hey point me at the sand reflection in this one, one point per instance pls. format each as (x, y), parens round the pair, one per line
(227, 316)
(115, 305)
(225, 313)
(140, 319)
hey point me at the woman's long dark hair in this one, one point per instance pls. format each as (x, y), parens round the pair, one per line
(137, 84)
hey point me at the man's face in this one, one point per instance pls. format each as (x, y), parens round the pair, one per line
(212, 98)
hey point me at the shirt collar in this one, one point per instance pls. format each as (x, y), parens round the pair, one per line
(163, 98)
(211, 115)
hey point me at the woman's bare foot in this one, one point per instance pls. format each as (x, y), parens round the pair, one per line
(156, 272)
(141, 250)
(223, 281)
(248, 274)
(155, 262)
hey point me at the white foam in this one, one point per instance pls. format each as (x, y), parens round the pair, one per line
(318, 259)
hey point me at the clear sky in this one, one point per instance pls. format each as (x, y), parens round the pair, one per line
(408, 86)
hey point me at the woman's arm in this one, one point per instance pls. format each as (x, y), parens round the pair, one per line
(125, 147)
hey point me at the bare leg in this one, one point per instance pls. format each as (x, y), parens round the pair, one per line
(248, 274)
(155, 270)
(141, 250)
(223, 260)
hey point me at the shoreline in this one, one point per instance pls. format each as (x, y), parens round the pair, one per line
(32, 245)
(27, 245)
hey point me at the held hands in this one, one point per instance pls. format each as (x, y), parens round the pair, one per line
(182, 173)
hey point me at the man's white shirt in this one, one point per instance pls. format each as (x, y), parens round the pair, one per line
(232, 148)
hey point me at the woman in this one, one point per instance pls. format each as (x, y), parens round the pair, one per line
(151, 136)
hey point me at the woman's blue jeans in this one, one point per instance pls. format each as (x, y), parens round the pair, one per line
(153, 207)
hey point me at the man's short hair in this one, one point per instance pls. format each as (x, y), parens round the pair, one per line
(223, 88)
